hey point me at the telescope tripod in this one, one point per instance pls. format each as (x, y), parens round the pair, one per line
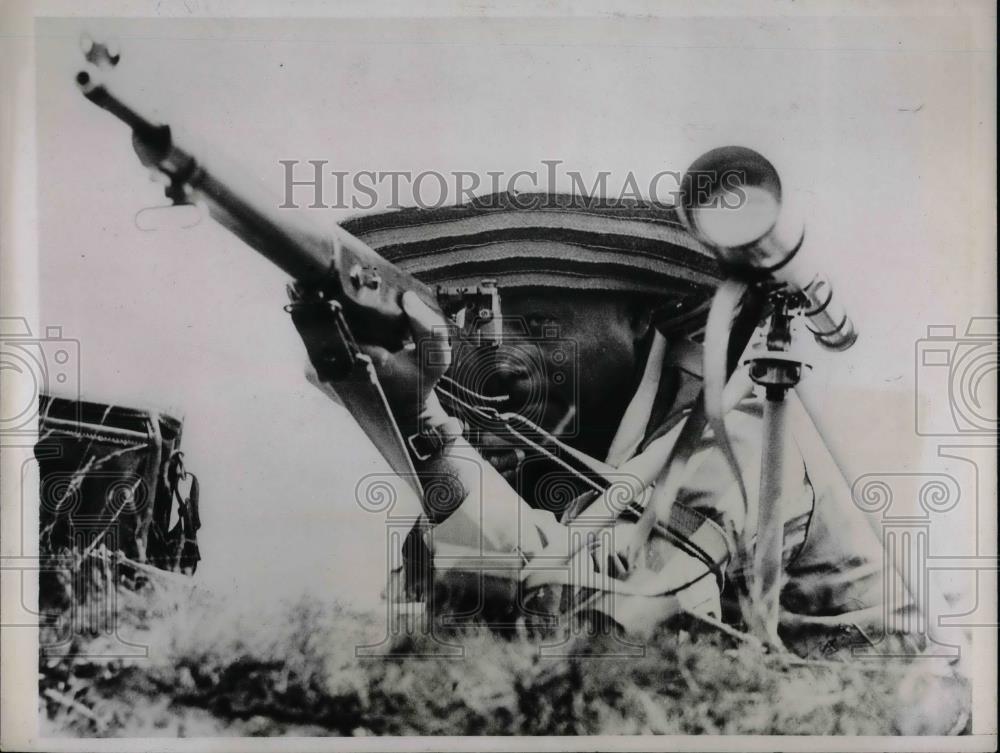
(774, 366)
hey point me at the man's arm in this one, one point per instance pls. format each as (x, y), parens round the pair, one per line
(468, 500)
(473, 506)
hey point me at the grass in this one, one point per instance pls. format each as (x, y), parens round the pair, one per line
(223, 666)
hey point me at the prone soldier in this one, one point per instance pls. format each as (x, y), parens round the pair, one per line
(602, 308)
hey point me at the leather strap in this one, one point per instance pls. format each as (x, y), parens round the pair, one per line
(428, 442)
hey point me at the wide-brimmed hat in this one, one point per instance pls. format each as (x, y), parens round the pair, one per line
(545, 240)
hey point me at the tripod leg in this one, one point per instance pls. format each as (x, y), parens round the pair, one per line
(766, 580)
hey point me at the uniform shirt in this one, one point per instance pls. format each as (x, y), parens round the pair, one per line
(833, 561)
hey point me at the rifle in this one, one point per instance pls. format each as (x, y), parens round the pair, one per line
(343, 291)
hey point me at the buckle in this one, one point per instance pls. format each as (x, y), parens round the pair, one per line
(425, 443)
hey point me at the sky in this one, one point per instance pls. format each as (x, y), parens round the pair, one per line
(877, 125)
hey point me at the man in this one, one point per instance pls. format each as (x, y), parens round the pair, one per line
(602, 307)
(604, 286)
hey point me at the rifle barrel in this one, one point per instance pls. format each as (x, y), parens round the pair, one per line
(325, 259)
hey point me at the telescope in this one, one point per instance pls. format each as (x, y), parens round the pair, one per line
(731, 202)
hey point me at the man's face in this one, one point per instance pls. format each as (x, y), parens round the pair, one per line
(569, 362)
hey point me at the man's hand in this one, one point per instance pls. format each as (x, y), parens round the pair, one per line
(408, 376)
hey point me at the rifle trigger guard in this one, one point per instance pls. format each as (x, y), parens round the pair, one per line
(320, 322)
